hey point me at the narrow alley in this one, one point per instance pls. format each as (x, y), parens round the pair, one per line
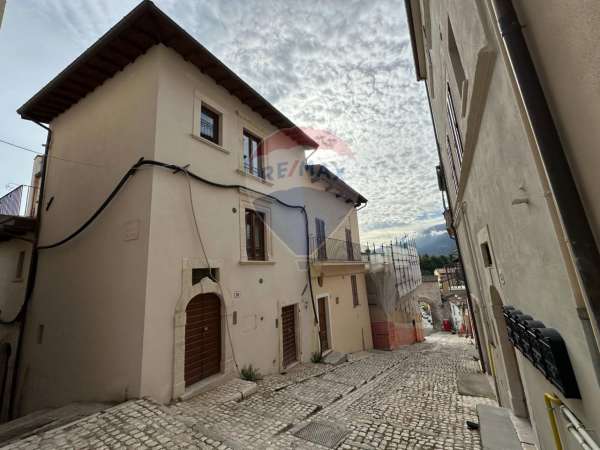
(405, 399)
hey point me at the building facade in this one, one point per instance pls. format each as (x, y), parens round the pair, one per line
(18, 212)
(212, 251)
(393, 282)
(514, 99)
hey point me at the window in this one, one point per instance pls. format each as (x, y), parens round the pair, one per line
(486, 254)
(255, 235)
(451, 162)
(349, 247)
(321, 242)
(253, 155)
(453, 127)
(20, 266)
(209, 124)
(200, 273)
(457, 67)
(354, 290)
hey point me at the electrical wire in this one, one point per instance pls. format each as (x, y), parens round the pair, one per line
(176, 169)
(216, 279)
(20, 147)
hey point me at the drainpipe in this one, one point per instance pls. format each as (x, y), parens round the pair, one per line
(577, 228)
(468, 291)
(30, 278)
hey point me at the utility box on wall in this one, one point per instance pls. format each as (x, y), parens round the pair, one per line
(544, 347)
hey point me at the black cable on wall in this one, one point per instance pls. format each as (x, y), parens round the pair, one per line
(183, 170)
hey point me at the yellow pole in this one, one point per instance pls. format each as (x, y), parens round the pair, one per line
(491, 358)
(551, 400)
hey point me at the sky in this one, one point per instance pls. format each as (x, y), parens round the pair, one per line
(344, 66)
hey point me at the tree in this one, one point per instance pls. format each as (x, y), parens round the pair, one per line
(430, 263)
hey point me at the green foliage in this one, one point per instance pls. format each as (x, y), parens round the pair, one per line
(317, 357)
(430, 263)
(249, 373)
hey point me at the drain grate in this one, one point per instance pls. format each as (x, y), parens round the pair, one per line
(322, 433)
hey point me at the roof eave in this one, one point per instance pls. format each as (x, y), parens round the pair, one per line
(170, 34)
(420, 71)
(325, 175)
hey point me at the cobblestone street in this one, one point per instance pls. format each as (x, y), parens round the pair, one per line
(406, 399)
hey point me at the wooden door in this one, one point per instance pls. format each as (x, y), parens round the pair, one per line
(288, 328)
(202, 338)
(323, 324)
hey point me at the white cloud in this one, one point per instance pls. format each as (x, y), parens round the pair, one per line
(345, 66)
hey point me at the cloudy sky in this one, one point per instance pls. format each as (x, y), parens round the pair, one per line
(340, 65)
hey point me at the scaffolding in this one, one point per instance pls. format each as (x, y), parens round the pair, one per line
(403, 257)
(393, 276)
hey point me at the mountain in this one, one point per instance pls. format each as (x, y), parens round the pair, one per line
(435, 241)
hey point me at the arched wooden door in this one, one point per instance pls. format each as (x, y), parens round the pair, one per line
(202, 338)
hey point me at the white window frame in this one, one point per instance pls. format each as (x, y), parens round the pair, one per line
(199, 100)
(259, 132)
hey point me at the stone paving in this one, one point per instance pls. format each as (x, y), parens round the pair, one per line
(406, 399)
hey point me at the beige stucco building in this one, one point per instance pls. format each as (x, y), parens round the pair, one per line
(513, 90)
(18, 210)
(194, 269)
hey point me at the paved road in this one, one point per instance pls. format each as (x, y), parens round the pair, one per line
(405, 399)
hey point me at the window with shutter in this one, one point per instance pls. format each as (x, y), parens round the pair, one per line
(255, 235)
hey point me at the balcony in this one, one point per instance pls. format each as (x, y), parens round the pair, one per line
(20, 202)
(18, 209)
(324, 250)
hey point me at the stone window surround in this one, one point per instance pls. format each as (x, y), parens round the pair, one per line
(249, 200)
(200, 99)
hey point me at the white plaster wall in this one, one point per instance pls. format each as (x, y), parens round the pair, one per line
(529, 271)
(563, 40)
(349, 325)
(89, 294)
(12, 290)
(256, 336)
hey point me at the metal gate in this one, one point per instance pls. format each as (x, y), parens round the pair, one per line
(288, 328)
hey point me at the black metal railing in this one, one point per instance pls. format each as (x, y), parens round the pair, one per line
(329, 249)
(256, 171)
(20, 201)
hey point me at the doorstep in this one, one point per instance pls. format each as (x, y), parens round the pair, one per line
(497, 429)
(221, 388)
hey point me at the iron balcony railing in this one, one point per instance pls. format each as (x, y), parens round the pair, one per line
(21, 201)
(329, 249)
(256, 171)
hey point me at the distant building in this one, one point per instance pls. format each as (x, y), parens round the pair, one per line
(18, 212)
(393, 280)
(514, 98)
